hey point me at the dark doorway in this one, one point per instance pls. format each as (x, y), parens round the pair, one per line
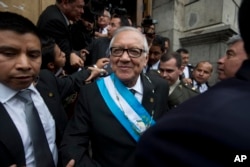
(129, 5)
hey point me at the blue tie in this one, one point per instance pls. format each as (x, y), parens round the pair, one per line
(43, 155)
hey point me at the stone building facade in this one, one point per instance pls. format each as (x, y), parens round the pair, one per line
(201, 26)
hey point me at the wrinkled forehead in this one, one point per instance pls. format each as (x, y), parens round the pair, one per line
(205, 66)
(10, 35)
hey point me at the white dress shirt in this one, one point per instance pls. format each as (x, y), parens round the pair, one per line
(15, 109)
(186, 72)
(104, 30)
(203, 87)
(139, 89)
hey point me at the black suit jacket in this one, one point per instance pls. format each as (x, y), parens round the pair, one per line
(209, 130)
(112, 145)
(97, 49)
(53, 90)
(52, 23)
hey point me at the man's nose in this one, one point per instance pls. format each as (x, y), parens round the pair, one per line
(23, 62)
(221, 60)
(81, 10)
(125, 55)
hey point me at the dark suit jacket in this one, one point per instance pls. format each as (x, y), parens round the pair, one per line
(81, 37)
(112, 146)
(53, 90)
(180, 94)
(52, 23)
(97, 49)
(209, 130)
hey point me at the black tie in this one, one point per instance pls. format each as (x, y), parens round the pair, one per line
(132, 91)
(148, 68)
(43, 156)
(198, 86)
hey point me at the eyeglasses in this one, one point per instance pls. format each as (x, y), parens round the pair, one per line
(132, 52)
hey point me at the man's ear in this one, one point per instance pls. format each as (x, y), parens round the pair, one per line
(51, 66)
(146, 61)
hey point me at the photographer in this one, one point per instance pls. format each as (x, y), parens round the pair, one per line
(148, 25)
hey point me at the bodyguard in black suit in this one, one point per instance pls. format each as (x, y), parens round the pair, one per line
(20, 59)
(54, 22)
(111, 122)
(210, 130)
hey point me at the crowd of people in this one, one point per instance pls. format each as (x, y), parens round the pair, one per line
(93, 89)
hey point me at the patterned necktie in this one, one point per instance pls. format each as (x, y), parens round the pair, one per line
(43, 155)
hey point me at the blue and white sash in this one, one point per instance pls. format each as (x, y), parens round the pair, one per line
(125, 107)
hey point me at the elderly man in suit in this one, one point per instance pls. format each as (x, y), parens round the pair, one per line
(55, 22)
(115, 120)
(211, 129)
(30, 138)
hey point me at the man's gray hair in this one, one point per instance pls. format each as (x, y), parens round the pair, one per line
(128, 28)
(235, 38)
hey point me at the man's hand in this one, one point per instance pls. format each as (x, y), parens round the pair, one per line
(187, 81)
(95, 72)
(76, 61)
(102, 62)
(71, 163)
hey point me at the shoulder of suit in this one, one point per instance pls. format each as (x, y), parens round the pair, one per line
(182, 85)
(51, 8)
(154, 72)
(154, 76)
(45, 72)
(101, 39)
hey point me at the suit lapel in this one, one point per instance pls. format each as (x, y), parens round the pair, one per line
(10, 137)
(148, 100)
(46, 95)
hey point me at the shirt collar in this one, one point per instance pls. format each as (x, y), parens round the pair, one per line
(138, 86)
(172, 87)
(8, 93)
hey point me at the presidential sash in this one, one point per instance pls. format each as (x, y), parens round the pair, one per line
(124, 106)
